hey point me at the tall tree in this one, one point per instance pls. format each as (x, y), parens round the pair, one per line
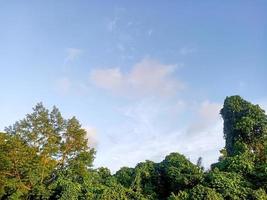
(246, 123)
(57, 144)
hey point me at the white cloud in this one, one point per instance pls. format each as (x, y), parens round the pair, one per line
(67, 86)
(179, 106)
(72, 54)
(150, 133)
(210, 111)
(148, 77)
(91, 136)
(207, 114)
(112, 24)
(187, 50)
(63, 85)
(110, 79)
(205, 132)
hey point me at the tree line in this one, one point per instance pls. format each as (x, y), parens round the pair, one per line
(46, 157)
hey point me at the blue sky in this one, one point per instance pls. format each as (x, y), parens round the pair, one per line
(145, 78)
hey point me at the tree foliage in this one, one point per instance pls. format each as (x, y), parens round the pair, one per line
(40, 147)
(244, 122)
(45, 156)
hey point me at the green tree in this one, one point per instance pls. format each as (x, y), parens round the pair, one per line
(177, 173)
(125, 176)
(146, 179)
(45, 156)
(56, 144)
(244, 122)
(242, 161)
(230, 185)
(199, 192)
(18, 167)
(245, 131)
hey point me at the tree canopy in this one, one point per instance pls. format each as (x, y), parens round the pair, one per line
(45, 156)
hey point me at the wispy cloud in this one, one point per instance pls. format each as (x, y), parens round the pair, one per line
(149, 135)
(147, 77)
(112, 24)
(187, 50)
(72, 54)
(206, 115)
(121, 47)
(91, 136)
(67, 86)
(63, 85)
(149, 32)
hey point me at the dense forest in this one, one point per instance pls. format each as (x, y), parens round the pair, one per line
(45, 156)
